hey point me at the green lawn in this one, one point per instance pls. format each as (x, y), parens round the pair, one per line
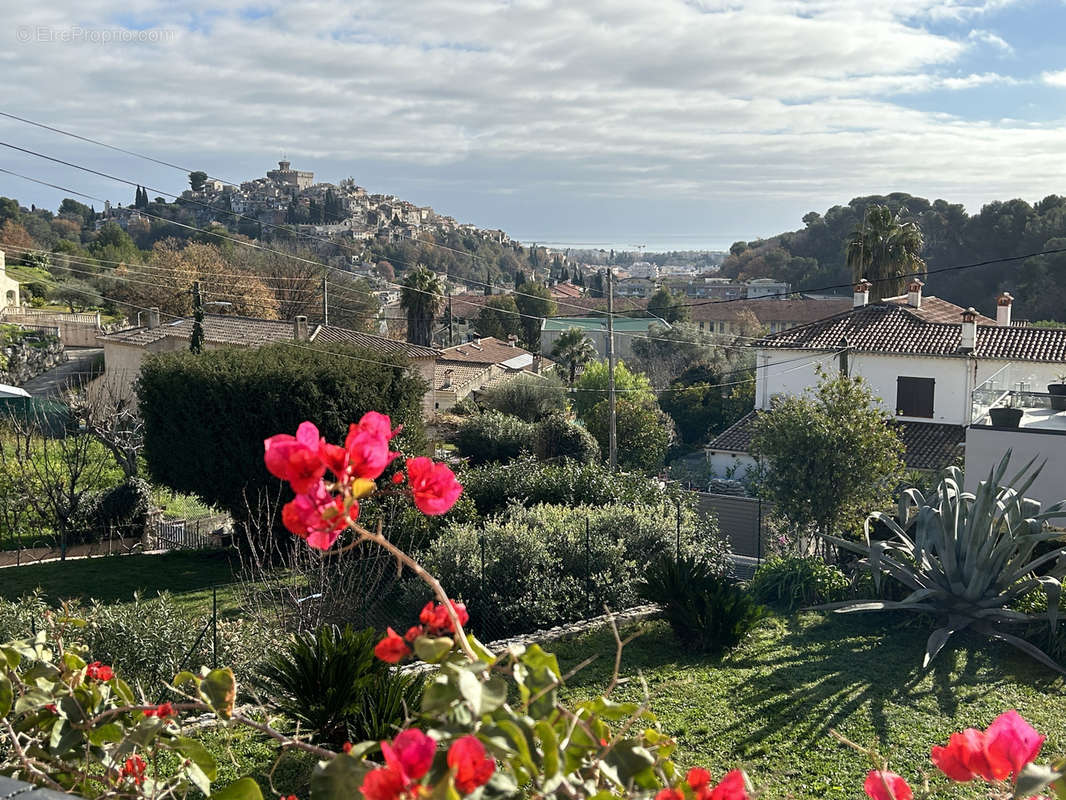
(768, 706)
(187, 575)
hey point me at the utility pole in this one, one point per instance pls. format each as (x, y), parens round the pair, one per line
(196, 342)
(844, 347)
(325, 301)
(612, 436)
(451, 340)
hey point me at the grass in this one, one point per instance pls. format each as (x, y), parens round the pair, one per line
(768, 706)
(188, 575)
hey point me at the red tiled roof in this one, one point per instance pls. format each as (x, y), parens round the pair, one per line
(565, 290)
(488, 350)
(224, 330)
(893, 328)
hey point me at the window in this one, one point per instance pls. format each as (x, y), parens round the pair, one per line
(914, 397)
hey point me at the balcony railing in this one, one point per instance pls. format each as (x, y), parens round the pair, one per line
(1037, 409)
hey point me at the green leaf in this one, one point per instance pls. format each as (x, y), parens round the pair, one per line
(1034, 778)
(7, 695)
(108, 732)
(537, 659)
(433, 651)
(243, 789)
(549, 744)
(338, 778)
(439, 696)
(219, 688)
(198, 755)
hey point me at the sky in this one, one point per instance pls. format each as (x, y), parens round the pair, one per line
(669, 123)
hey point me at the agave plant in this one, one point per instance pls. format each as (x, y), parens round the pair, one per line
(967, 556)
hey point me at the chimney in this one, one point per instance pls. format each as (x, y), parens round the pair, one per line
(536, 363)
(914, 293)
(862, 293)
(153, 318)
(1003, 304)
(477, 339)
(968, 339)
(512, 339)
(300, 328)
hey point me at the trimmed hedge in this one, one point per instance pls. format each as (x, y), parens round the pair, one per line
(206, 415)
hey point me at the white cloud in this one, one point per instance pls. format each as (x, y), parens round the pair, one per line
(604, 98)
(993, 40)
(1054, 78)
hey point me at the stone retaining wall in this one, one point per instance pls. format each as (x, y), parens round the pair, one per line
(28, 358)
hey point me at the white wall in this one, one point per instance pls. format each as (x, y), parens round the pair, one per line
(732, 466)
(790, 372)
(985, 447)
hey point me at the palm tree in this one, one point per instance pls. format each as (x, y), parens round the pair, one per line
(884, 248)
(573, 347)
(422, 297)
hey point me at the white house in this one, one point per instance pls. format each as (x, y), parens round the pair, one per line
(8, 285)
(937, 368)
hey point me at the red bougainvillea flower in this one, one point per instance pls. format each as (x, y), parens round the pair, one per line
(885, 785)
(99, 672)
(1010, 744)
(731, 787)
(433, 485)
(296, 458)
(698, 778)
(669, 794)
(413, 633)
(964, 759)
(318, 516)
(1003, 749)
(383, 783)
(162, 711)
(469, 763)
(411, 753)
(437, 621)
(397, 478)
(134, 768)
(392, 649)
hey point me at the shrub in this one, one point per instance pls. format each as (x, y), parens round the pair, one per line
(492, 437)
(331, 682)
(557, 437)
(189, 403)
(121, 510)
(539, 571)
(565, 483)
(792, 582)
(644, 432)
(529, 397)
(706, 610)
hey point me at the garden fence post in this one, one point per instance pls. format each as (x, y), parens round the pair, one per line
(588, 567)
(678, 554)
(758, 536)
(214, 626)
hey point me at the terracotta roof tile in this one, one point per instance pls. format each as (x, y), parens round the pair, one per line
(241, 331)
(892, 328)
(379, 344)
(796, 312)
(488, 350)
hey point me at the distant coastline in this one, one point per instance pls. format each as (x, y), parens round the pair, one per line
(650, 245)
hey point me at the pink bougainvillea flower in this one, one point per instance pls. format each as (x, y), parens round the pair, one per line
(469, 763)
(885, 785)
(411, 753)
(296, 458)
(383, 783)
(392, 649)
(731, 787)
(1010, 744)
(99, 672)
(433, 485)
(669, 794)
(413, 633)
(318, 516)
(367, 446)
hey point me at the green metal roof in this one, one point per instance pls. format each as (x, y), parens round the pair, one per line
(627, 324)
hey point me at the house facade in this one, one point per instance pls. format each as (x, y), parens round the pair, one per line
(937, 369)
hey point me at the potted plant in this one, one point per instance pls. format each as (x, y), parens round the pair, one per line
(1005, 416)
(1058, 393)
